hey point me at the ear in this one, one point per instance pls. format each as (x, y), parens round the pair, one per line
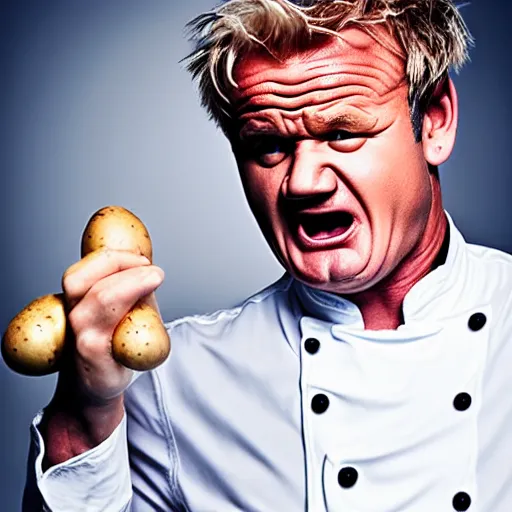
(440, 123)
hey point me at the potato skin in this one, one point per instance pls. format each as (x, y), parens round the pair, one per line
(35, 337)
(117, 228)
(140, 341)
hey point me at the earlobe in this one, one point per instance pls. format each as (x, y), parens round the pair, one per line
(440, 123)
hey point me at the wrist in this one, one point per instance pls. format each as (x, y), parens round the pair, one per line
(72, 425)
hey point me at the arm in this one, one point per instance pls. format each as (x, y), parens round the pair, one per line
(79, 456)
(97, 479)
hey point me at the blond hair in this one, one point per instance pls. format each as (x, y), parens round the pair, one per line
(431, 33)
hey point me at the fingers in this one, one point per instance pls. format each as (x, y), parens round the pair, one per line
(106, 303)
(81, 276)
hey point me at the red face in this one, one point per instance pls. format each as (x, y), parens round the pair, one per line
(329, 162)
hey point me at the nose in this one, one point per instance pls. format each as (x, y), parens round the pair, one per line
(309, 174)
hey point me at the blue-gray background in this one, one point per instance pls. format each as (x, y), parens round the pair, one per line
(97, 110)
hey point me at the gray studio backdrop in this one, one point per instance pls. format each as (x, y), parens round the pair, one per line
(97, 110)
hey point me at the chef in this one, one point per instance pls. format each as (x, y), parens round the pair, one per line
(375, 374)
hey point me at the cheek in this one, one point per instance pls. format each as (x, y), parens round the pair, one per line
(389, 177)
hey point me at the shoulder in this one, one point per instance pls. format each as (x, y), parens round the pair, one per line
(489, 277)
(490, 264)
(263, 302)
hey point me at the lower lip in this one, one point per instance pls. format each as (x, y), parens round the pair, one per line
(325, 243)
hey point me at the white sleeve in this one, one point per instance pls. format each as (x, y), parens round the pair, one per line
(97, 480)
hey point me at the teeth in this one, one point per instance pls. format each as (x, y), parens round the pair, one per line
(326, 225)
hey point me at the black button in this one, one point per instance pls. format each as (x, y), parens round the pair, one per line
(461, 501)
(477, 321)
(347, 477)
(462, 401)
(312, 345)
(319, 404)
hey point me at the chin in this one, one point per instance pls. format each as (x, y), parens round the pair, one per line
(324, 272)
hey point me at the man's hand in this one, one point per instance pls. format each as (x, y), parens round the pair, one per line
(88, 403)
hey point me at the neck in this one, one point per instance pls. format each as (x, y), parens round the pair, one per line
(381, 306)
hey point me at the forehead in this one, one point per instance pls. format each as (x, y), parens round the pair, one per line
(354, 60)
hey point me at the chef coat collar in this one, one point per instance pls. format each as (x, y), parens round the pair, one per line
(430, 298)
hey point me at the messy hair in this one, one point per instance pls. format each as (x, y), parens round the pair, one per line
(431, 33)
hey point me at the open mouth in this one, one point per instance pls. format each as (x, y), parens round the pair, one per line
(323, 226)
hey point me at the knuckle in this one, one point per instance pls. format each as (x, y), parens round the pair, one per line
(70, 285)
(77, 319)
(90, 344)
(104, 297)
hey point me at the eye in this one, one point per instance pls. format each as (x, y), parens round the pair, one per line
(268, 150)
(344, 141)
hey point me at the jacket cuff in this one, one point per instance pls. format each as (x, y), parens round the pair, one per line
(98, 479)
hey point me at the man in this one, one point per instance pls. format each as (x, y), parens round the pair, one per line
(373, 375)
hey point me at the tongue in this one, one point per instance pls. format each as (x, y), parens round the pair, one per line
(326, 225)
(321, 235)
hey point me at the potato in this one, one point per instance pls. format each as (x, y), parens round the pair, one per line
(35, 338)
(140, 341)
(117, 228)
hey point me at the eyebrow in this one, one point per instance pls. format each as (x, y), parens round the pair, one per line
(250, 129)
(319, 124)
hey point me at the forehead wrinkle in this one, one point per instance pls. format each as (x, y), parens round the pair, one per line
(355, 112)
(292, 81)
(290, 92)
(370, 92)
(354, 49)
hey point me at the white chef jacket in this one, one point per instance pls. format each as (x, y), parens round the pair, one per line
(286, 403)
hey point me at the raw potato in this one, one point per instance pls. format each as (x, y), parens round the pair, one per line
(140, 341)
(35, 338)
(116, 228)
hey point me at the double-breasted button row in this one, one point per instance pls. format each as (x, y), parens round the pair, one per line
(347, 476)
(462, 402)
